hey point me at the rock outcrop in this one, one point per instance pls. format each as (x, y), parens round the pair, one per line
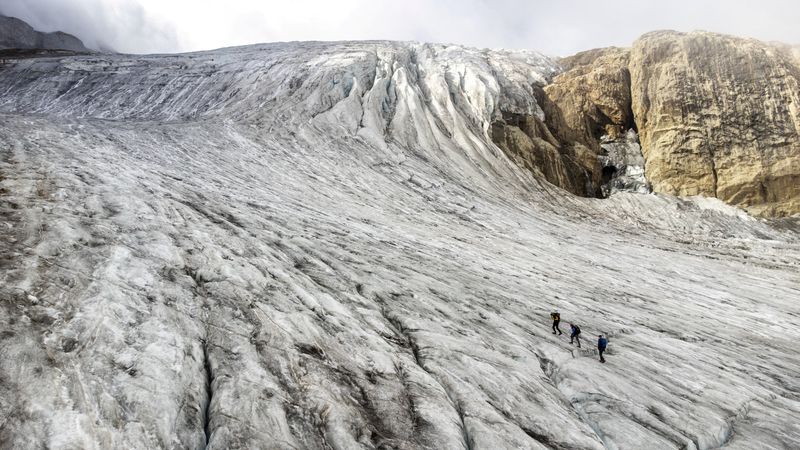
(585, 109)
(16, 34)
(719, 116)
(592, 97)
(529, 142)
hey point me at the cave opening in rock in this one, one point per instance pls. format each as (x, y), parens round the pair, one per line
(608, 174)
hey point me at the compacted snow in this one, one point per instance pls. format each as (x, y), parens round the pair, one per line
(316, 245)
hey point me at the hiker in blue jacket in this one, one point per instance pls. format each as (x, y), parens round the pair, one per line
(601, 347)
(575, 334)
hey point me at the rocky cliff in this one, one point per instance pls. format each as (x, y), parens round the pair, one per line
(533, 143)
(16, 34)
(585, 109)
(593, 95)
(717, 116)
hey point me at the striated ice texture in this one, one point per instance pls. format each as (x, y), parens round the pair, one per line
(316, 245)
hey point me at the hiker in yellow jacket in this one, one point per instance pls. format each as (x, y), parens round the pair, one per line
(556, 319)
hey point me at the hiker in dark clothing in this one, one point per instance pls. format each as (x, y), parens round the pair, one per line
(575, 334)
(601, 347)
(556, 319)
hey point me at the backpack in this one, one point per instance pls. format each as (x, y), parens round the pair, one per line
(555, 316)
(577, 330)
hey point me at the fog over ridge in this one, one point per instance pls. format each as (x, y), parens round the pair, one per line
(153, 26)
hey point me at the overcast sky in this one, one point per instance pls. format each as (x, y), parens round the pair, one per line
(555, 27)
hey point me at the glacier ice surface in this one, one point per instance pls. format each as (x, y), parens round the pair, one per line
(316, 245)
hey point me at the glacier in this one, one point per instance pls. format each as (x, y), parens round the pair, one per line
(317, 245)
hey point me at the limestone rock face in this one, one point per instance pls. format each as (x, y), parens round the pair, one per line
(592, 97)
(719, 116)
(588, 103)
(529, 142)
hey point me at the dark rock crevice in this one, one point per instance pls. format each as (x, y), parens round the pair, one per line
(209, 394)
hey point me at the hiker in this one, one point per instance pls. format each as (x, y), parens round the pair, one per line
(601, 347)
(556, 319)
(575, 334)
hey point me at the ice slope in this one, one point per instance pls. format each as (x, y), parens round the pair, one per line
(316, 245)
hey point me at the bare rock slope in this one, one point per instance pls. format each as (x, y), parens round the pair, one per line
(561, 144)
(16, 34)
(717, 116)
(319, 245)
(593, 95)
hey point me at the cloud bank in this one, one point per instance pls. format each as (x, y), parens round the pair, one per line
(119, 25)
(557, 28)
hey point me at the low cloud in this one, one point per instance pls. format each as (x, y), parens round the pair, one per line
(121, 25)
(556, 28)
